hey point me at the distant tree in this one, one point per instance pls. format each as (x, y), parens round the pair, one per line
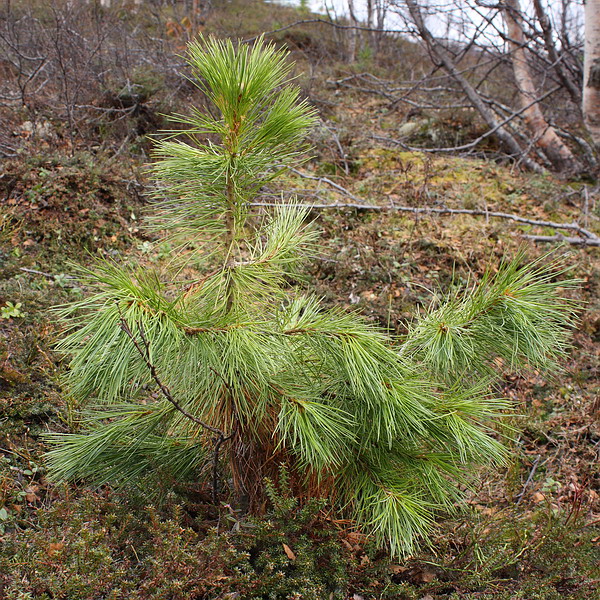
(544, 135)
(591, 82)
(474, 41)
(445, 59)
(219, 369)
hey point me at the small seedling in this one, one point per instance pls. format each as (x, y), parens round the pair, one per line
(11, 310)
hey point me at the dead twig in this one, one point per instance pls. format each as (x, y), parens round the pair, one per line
(66, 278)
(529, 479)
(220, 437)
(340, 148)
(588, 238)
(145, 354)
(558, 238)
(328, 181)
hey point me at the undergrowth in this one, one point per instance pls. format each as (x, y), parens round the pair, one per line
(100, 545)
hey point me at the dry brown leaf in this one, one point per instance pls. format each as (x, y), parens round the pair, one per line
(30, 494)
(55, 548)
(289, 552)
(347, 544)
(395, 569)
(425, 576)
(354, 537)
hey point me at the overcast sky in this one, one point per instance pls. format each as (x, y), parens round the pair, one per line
(442, 11)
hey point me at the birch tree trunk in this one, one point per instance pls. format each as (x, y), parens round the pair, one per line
(353, 34)
(591, 70)
(544, 135)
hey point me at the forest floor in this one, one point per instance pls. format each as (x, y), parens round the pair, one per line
(530, 531)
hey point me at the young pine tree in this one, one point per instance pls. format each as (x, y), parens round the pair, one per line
(228, 373)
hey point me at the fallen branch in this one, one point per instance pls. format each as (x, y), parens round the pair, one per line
(443, 57)
(333, 184)
(558, 238)
(589, 238)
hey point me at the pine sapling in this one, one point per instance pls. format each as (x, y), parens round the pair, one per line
(219, 370)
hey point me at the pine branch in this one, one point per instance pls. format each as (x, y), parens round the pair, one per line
(145, 354)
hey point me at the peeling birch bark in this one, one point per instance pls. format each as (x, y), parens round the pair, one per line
(546, 138)
(591, 70)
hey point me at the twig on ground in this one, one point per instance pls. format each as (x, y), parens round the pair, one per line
(588, 238)
(558, 238)
(50, 276)
(36, 272)
(340, 148)
(529, 479)
(328, 181)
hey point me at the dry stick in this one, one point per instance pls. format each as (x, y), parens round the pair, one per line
(67, 284)
(220, 437)
(591, 239)
(336, 139)
(561, 238)
(396, 100)
(36, 272)
(531, 474)
(332, 184)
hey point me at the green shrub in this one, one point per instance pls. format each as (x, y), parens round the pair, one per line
(94, 547)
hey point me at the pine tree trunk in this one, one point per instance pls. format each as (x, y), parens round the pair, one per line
(591, 69)
(544, 135)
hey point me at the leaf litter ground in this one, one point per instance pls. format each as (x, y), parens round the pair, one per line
(530, 531)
